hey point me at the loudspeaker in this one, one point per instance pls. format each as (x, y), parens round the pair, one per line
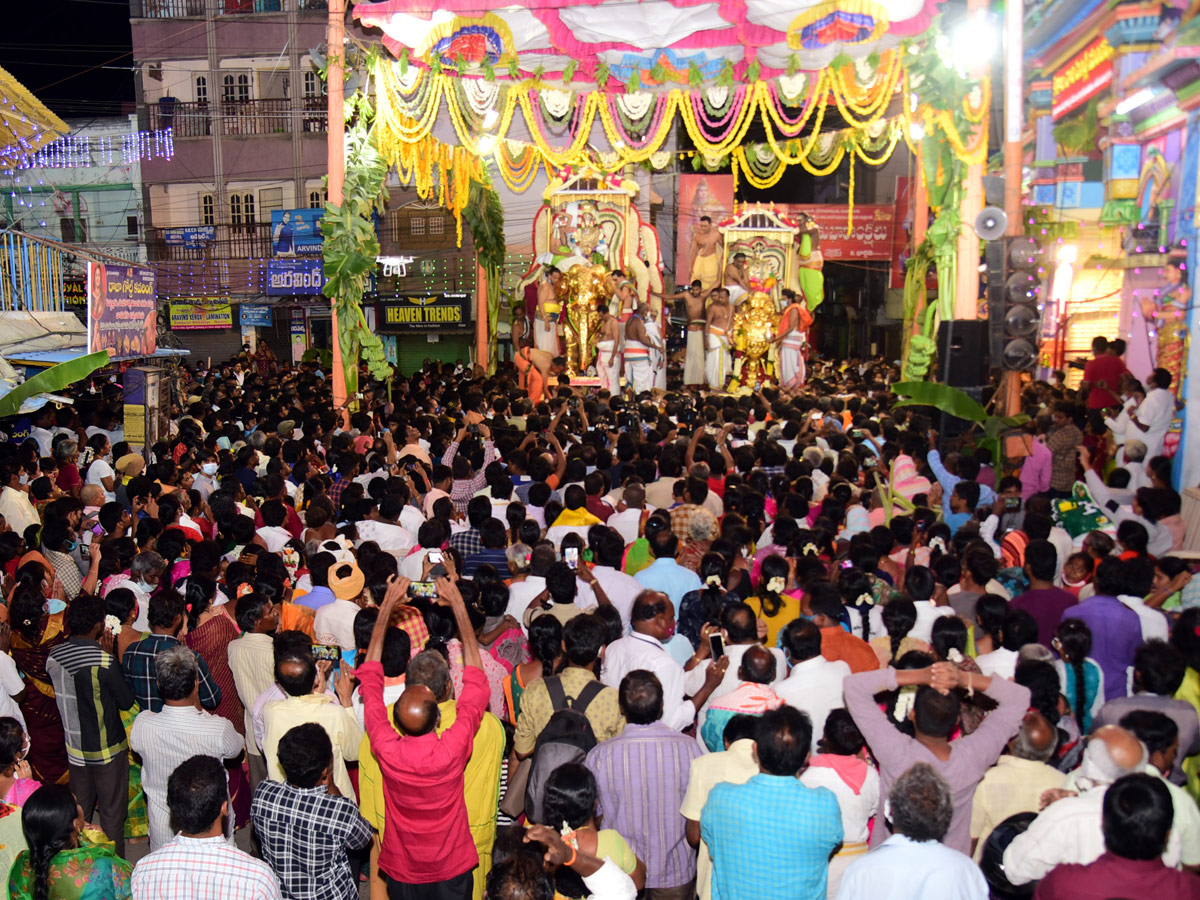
(994, 257)
(991, 223)
(963, 353)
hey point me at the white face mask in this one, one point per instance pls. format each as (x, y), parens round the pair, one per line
(24, 478)
(209, 468)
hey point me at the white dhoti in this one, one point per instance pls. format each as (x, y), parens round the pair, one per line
(736, 293)
(610, 376)
(658, 360)
(545, 336)
(718, 362)
(791, 362)
(693, 361)
(637, 366)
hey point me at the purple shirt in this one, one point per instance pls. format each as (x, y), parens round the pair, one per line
(970, 756)
(1047, 606)
(642, 775)
(1116, 635)
(1035, 471)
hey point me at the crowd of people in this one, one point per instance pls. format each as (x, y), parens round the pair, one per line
(470, 642)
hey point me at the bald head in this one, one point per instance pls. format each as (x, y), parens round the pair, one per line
(91, 495)
(416, 712)
(1037, 739)
(635, 496)
(1123, 748)
(1111, 753)
(758, 665)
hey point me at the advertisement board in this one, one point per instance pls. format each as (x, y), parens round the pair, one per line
(122, 310)
(196, 314)
(1088, 73)
(255, 316)
(196, 237)
(296, 232)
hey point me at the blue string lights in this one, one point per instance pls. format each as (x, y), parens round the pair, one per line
(82, 151)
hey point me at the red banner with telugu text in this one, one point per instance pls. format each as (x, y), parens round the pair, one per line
(869, 239)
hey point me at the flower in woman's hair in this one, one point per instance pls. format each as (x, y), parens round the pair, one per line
(954, 656)
(938, 543)
(776, 584)
(244, 588)
(808, 548)
(112, 623)
(904, 703)
(713, 580)
(865, 597)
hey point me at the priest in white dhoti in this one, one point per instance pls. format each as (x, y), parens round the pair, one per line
(608, 355)
(638, 369)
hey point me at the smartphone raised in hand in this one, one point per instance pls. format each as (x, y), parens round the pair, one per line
(716, 644)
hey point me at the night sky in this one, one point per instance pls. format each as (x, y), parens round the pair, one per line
(74, 55)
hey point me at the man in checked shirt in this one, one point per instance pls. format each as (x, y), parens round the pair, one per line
(307, 828)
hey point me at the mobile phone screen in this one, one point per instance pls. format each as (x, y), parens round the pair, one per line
(571, 557)
(717, 644)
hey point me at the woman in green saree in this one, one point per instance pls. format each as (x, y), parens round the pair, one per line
(57, 866)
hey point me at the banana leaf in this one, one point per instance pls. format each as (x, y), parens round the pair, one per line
(950, 400)
(52, 380)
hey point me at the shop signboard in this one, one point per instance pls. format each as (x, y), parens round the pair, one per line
(296, 232)
(122, 313)
(295, 276)
(255, 316)
(213, 314)
(1088, 73)
(424, 312)
(196, 237)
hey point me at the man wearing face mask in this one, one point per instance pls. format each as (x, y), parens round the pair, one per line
(15, 505)
(1070, 830)
(206, 480)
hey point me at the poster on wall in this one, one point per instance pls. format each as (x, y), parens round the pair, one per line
(699, 196)
(121, 310)
(296, 232)
(299, 335)
(197, 314)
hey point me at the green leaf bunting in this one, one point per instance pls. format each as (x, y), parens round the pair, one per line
(52, 380)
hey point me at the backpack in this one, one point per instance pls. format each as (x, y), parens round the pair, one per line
(567, 738)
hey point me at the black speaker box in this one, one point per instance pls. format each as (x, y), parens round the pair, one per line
(963, 358)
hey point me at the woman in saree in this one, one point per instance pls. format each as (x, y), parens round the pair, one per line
(37, 628)
(58, 862)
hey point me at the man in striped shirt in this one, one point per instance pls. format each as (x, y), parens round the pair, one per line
(91, 692)
(641, 777)
(199, 863)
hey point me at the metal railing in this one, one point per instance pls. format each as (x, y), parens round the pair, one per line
(229, 242)
(190, 119)
(175, 9)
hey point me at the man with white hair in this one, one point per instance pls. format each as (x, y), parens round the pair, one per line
(1069, 830)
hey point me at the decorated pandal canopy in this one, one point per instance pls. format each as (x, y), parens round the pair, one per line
(539, 83)
(28, 126)
(554, 87)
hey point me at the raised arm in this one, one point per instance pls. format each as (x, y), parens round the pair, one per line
(887, 744)
(448, 591)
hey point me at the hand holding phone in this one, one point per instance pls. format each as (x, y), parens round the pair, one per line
(716, 643)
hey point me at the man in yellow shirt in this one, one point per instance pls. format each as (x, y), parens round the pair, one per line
(736, 765)
(1017, 781)
(304, 683)
(481, 777)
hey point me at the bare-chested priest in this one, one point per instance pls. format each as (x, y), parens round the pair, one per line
(718, 362)
(704, 261)
(737, 279)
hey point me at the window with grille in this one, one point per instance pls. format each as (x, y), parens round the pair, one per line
(317, 199)
(241, 209)
(416, 225)
(235, 88)
(201, 88)
(208, 210)
(437, 225)
(313, 85)
(269, 199)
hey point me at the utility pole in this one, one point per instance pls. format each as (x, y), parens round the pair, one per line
(336, 142)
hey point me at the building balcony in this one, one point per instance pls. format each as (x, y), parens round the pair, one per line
(252, 241)
(182, 9)
(239, 118)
